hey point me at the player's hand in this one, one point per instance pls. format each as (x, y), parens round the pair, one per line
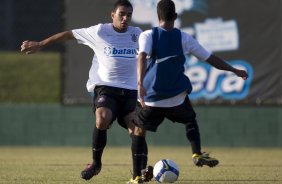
(141, 94)
(241, 73)
(30, 47)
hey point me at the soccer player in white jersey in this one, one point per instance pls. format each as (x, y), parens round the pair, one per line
(113, 80)
(162, 84)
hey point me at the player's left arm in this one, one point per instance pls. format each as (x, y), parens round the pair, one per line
(192, 46)
(222, 65)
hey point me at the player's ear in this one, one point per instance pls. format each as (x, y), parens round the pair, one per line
(112, 14)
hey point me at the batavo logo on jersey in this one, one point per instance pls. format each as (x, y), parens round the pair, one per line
(120, 52)
(210, 83)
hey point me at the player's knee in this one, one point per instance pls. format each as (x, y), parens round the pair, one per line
(103, 118)
(192, 129)
(192, 126)
(102, 123)
(139, 131)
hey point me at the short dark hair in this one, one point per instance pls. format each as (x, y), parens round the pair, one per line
(125, 3)
(166, 10)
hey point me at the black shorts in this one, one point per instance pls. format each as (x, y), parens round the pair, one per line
(151, 117)
(119, 100)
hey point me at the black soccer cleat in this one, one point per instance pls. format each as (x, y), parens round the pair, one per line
(90, 171)
(147, 174)
(204, 159)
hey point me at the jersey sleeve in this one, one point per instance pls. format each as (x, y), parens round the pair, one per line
(192, 46)
(85, 36)
(146, 42)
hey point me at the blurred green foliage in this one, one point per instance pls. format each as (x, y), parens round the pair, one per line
(31, 78)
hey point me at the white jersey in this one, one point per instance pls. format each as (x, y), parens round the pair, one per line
(189, 46)
(115, 60)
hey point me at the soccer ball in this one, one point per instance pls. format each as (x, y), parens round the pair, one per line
(166, 171)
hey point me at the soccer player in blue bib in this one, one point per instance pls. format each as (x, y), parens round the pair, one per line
(163, 87)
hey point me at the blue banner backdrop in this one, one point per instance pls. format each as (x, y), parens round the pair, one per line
(247, 34)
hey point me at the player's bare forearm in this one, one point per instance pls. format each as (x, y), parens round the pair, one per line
(30, 47)
(219, 63)
(141, 69)
(63, 36)
(222, 65)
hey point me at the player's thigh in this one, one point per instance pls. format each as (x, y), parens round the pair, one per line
(104, 117)
(127, 105)
(183, 113)
(149, 117)
(105, 106)
(133, 128)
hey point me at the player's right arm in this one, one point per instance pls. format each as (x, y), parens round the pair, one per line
(141, 69)
(145, 49)
(30, 47)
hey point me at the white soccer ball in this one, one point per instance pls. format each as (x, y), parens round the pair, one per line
(166, 171)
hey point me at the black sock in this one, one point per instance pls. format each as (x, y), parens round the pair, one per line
(145, 154)
(193, 135)
(139, 154)
(98, 145)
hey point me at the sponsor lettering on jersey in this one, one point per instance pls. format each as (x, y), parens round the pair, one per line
(120, 52)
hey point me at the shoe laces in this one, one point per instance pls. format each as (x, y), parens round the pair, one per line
(88, 166)
(93, 168)
(205, 154)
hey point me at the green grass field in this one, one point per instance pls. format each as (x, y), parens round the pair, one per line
(31, 78)
(35, 165)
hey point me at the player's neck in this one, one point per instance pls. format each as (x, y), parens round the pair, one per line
(167, 25)
(118, 30)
